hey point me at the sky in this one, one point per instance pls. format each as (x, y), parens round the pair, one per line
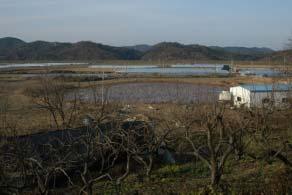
(249, 23)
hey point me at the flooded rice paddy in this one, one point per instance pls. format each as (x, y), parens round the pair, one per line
(178, 70)
(52, 75)
(12, 66)
(167, 70)
(189, 70)
(158, 92)
(265, 72)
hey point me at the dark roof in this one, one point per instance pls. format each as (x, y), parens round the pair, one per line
(267, 87)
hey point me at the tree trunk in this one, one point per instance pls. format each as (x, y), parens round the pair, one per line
(216, 174)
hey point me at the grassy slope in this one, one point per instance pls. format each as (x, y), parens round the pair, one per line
(247, 176)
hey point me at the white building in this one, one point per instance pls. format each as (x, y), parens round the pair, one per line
(225, 96)
(257, 95)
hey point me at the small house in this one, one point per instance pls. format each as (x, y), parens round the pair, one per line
(258, 95)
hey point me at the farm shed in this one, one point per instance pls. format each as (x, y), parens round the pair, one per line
(258, 95)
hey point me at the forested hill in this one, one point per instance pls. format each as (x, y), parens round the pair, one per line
(280, 56)
(16, 49)
(177, 51)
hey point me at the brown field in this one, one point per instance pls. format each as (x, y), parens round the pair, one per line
(255, 172)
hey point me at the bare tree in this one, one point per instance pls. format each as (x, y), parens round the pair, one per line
(270, 141)
(220, 136)
(51, 96)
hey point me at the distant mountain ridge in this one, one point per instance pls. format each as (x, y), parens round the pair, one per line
(284, 56)
(177, 51)
(141, 48)
(16, 49)
(246, 50)
(13, 49)
(9, 43)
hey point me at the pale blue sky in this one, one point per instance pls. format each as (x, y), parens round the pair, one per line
(128, 22)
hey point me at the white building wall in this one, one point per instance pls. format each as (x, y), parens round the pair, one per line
(241, 96)
(225, 96)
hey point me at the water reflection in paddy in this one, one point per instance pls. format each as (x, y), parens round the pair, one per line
(4, 66)
(153, 93)
(180, 70)
(188, 70)
(176, 71)
(269, 72)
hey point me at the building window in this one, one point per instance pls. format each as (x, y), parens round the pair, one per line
(239, 99)
(284, 100)
(266, 100)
